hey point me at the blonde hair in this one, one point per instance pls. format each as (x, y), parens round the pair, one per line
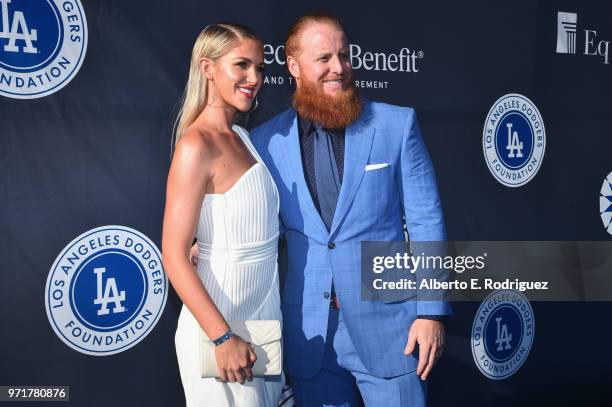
(213, 42)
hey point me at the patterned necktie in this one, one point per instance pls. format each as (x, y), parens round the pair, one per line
(326, 175)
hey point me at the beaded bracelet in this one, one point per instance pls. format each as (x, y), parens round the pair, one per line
(223, 338)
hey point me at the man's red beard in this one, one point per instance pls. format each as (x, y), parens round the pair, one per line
(332, 112)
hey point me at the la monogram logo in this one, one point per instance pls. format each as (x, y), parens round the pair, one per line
(18, 30)
(109, 294)
(503, 337)
(514, 147)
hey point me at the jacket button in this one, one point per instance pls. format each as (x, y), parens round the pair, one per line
(331, 245)
(326, 295)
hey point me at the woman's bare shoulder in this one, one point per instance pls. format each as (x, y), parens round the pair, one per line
(196, 145)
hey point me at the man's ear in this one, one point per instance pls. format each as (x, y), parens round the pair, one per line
(294, 68)
(206, 66)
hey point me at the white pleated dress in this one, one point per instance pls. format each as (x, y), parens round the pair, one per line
(238, 243)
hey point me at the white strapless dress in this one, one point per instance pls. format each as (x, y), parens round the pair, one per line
(238, 242)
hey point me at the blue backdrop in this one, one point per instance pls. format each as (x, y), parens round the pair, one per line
(97, 152)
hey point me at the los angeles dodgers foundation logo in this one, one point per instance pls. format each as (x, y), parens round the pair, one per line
(502, 334)
(42, 46)
(514, 140)
(106, 290)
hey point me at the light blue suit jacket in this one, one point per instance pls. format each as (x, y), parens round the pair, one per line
(371, 206)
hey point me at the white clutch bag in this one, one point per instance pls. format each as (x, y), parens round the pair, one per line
(265, 338)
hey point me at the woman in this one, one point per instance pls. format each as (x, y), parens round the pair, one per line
(220, 191)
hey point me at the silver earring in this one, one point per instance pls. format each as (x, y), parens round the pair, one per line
(248, 113)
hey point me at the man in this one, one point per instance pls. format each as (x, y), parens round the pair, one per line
(348, 170)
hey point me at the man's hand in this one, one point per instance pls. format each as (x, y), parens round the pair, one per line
(193, 254)
(430, 337)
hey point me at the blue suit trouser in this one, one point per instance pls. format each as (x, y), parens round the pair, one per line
(343, 378)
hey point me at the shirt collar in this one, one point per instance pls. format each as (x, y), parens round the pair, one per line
(308, 127)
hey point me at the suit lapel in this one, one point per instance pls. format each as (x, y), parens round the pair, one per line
(358, 144)
(296, 168)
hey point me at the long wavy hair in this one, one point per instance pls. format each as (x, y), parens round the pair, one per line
(213, 42)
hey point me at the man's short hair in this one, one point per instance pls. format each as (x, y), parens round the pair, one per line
(291, 40)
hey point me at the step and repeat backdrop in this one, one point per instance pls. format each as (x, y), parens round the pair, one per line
(514, 101)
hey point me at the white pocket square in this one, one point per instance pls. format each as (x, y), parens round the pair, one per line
(371, 167)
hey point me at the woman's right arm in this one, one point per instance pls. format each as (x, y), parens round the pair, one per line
(189, 175)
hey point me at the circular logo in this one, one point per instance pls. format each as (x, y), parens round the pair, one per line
(42, 46)
(514, 140)
(106, 290)
(502, 334)
(605, 203)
